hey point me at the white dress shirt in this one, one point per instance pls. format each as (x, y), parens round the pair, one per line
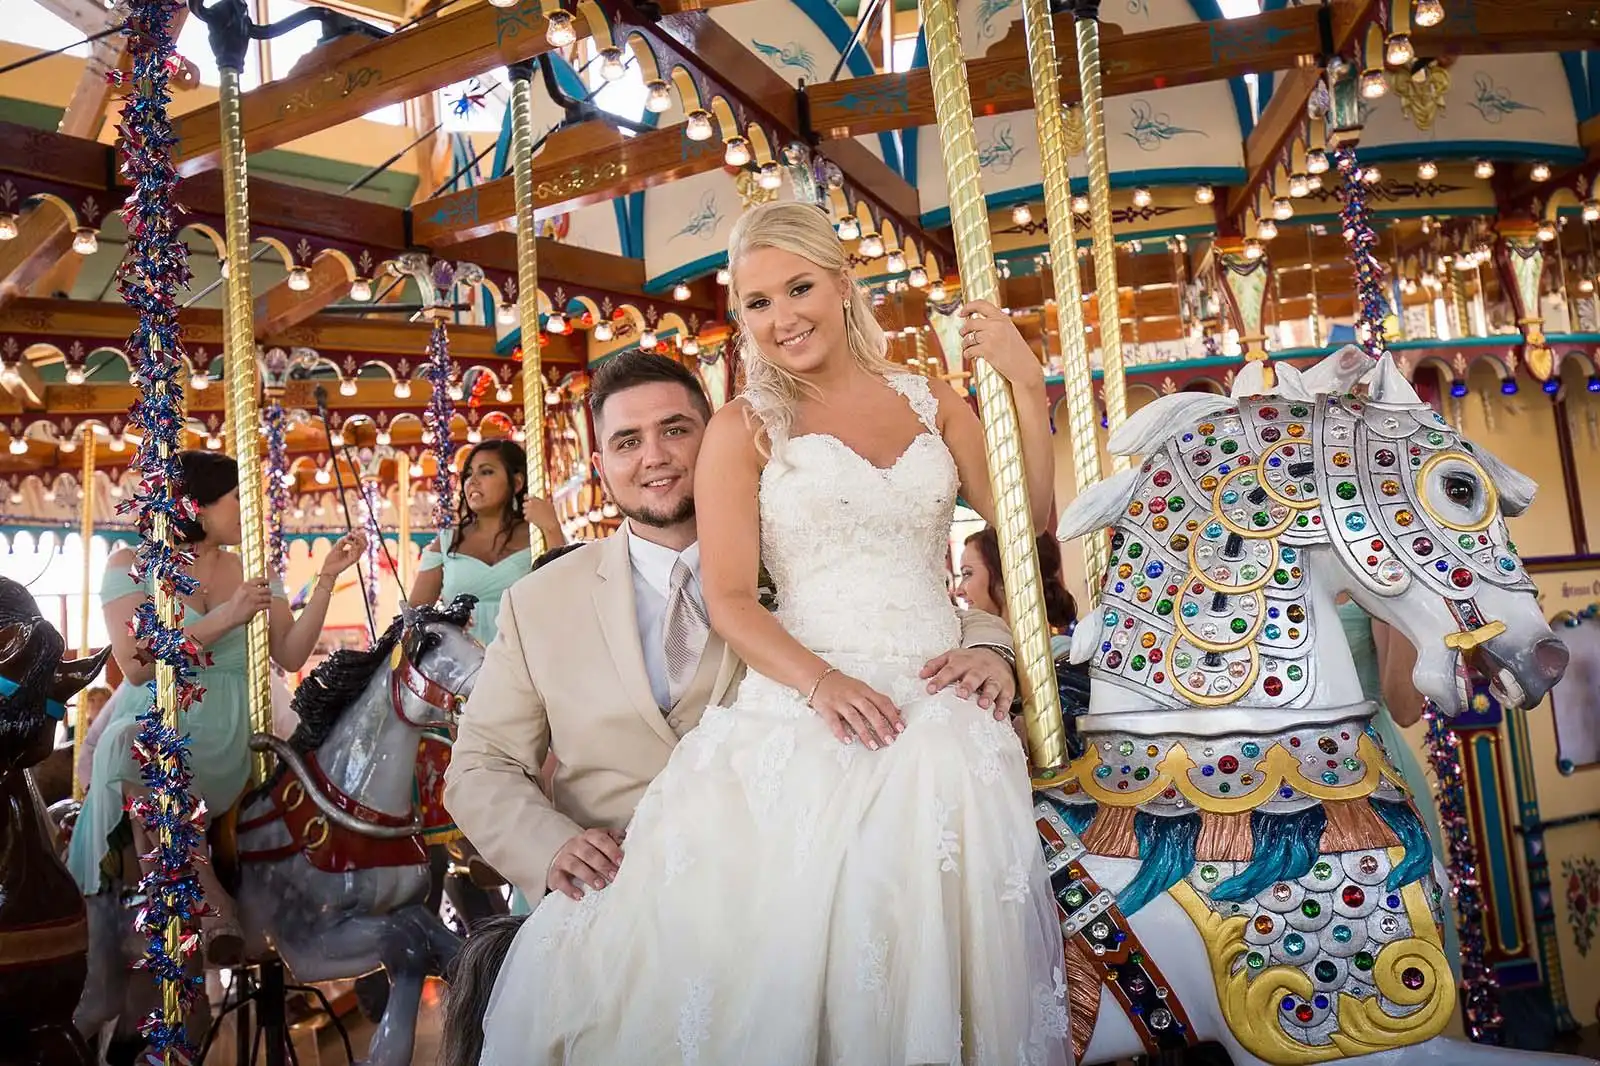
(652, 583)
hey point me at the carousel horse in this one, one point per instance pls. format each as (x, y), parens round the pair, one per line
(1234, 856)
(43, 929)
(332, 873)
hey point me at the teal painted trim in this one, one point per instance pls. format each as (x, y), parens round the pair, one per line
(1120, 180)
(636, 223)
(703, 265)
(1524, 151)
(1592, 68)
(1497, 845)
(619, 207)
(1577, 84)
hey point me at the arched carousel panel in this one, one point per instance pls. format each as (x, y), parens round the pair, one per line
(687, 224)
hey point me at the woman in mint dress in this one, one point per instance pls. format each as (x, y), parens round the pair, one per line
(218, 724)
(487, 552)
(1383, 662)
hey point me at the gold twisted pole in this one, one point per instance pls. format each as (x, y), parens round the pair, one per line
(1105, 242)
(1077, 378)
(1019, 561)
(244, 404)
(80, 714)
(528, 289)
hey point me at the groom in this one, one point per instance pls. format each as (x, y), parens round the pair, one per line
(605, 655)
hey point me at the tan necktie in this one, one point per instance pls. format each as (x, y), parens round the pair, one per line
(684, 631)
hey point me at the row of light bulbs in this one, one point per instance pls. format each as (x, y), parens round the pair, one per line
(84, 239)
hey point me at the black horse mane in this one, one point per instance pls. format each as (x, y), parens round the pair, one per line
(340, 678)
(23, 712)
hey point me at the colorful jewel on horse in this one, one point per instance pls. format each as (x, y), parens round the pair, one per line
(1235, 856)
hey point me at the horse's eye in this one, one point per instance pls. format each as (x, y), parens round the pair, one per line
(1461, 489)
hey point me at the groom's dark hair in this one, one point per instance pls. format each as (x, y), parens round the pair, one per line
(634, 368)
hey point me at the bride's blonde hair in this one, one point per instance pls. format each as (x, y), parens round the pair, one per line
(803, 230)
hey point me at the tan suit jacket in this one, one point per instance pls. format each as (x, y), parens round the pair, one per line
(566, 672)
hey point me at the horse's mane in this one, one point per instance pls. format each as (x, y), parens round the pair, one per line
(23, 712)
(340, 679)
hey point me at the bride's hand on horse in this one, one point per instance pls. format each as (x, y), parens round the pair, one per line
(988, 333)
(852, 708)
(253, 596)
(590, 858)
(974, 672)
(344, 553)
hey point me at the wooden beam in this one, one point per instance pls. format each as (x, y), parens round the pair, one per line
(91, 98)
(1285, 113)
(25, 385)
(43, 237)
(438, 52)
(282, 308)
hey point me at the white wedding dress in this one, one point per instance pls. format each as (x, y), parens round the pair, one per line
(787, 900)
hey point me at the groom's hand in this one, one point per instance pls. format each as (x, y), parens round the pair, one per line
(974, 672)
(590, 858)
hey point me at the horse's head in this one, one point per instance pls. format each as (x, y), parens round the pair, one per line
(1231, 539)
(438, 661)
(36, 680)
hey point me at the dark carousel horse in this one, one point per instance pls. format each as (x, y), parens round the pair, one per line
(43, 928)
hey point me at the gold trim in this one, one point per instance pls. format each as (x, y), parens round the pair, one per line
(1245, 531)
(1296, 505)
(1466, 640)
(1199, 573)
(1231, 645)
(319, 824)
(1491, 509)
(46, 943)
(294, 794)
(1201, 699)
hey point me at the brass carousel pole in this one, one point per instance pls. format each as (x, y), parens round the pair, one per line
(1077, 378)
(80, 716)
(1019, 562)
(522, 139)
(1106, 294)
(402, 479)
(243, 414)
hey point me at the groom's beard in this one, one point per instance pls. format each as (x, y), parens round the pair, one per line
(647, 516)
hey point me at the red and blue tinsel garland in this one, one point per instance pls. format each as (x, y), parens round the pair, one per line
(440, 374)
(277, 490)
(154, 269)
(1356, 221)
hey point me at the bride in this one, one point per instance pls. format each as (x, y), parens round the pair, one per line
(841, 867)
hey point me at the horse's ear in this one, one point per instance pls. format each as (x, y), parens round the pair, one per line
(1152, 424)
(1338, 373)
(1516, 489)
(1098, 506)
(1387, 385)
(409, 615)
(73, 674)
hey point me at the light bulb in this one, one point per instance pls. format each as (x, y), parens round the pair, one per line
(724, 276)
(299, 279)
(347, 386)
(603, 331)
(1204, 194)
(214, 442)
(918, 278)
(1483, 169)
(658, 97)
(118, 443)
(415, 470)
(505, 314)
(555, 322)
(1252, 248)
(849, 228)
(1282, 209)
(1427, 170)
(680, 292)
(872, 246)
(222, 268)
(503, 394)
(1428, 13)
(1266, 229)
(49, 495)
(558, 29)
(647, 339)
(1080, 205)
(698, 125)
(456, 393)
(1316, 161)
(402, 390)
(1299, 185)
(1540, 172)
(85, 242)
(76, 376)
(474, 436)
(736, 153)
(336, 439)
(1546, 232)
(502, 3)
(1586, 285)
(16, 497)
(18, 446)
(323, 477)
(1314, 182)
(384, 438)
(897, 262)
(67, 444)
(612, 66)
(1397, 50)
(691, 346)
(770, 176)
(1372, 175)
(8, 226)
(427, 436)
(552, 398)
(1141, 196)
(361, 290)
(1591, 210)
(937, 293)
(1373, 84)
(1021, 214)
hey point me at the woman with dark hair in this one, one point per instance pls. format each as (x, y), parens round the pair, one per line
(983, 587)
(218, 724)
(490, 547)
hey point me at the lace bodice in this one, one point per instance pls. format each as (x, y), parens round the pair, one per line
(858, 553)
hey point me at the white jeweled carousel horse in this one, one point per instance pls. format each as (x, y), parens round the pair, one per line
(1234, 856)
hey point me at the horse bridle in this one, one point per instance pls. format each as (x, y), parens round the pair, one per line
(405, 676)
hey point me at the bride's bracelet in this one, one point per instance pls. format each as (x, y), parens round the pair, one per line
(818, 683)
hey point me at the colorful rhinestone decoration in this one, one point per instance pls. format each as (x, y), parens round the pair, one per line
(1204, 601)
